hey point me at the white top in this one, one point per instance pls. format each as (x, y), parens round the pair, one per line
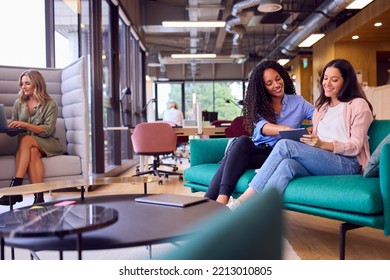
(332, 126)
(174, 115)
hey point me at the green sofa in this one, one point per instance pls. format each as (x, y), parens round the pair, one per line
(353, 199)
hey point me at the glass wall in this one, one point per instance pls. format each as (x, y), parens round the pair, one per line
(66, 32)
(222, 97)
(22, 33)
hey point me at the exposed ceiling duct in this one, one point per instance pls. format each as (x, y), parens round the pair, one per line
(319, 18)
(234, 26)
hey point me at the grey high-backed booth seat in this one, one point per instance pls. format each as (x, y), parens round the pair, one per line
(68, 87)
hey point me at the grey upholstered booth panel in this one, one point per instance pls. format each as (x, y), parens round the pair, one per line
(68, 87)
(9, 76)
(75, 111)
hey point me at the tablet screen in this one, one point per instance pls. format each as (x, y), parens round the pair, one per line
(293, 134)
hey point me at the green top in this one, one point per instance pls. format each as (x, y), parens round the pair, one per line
(44, 115)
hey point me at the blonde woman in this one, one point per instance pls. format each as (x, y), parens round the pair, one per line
(35, 111)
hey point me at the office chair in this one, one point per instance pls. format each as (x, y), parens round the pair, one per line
(181, 144)
(155, 139)
(236, 128)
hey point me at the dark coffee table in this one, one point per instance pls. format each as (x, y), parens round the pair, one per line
(55, 221)
(138, 224)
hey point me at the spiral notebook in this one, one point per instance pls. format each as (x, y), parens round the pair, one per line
(171, 199)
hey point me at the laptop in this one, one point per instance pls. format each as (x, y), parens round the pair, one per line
(4, 123)
(171, 199)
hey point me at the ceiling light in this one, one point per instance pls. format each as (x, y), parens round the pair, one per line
(193, 24)
(283, 61)
(194, 55)
(311, 40)
(358, 4)
(269, 6)
(355, 37)
(377, 24)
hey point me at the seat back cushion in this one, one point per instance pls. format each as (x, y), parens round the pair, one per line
(75, 111)
(251, 232)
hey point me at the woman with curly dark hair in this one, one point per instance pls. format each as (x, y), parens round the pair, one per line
(338, 144)
(271, 105)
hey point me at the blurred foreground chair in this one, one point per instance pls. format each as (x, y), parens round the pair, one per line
(251, 232)
(155, 139)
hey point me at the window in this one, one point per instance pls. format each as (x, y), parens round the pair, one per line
(66, 35)
(23, 33)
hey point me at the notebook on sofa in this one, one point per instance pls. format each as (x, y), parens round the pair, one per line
(171, 199)
(4, 123)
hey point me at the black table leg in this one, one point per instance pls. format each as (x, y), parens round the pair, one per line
(2, 248)
(79, 246)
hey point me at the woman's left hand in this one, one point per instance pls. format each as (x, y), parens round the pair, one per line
(310, 139)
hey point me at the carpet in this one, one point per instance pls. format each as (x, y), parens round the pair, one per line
(133, 253)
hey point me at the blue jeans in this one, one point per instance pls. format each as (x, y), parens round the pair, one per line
(290, 159)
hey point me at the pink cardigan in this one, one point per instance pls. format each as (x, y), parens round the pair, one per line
(358, 118)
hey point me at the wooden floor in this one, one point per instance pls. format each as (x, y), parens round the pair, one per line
(312, 238)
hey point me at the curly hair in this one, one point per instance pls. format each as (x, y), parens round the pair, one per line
(257, 102)
(351, 88)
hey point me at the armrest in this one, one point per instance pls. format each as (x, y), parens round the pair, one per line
(207, 150)
(384, 181)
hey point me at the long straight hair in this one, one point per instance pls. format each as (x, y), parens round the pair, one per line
(351, 88)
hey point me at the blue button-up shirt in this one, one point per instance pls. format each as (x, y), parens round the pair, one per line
(294, 111)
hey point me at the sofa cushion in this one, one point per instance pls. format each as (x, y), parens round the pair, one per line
(350, 193)
(372, 168)
(57, 166)
(63, 165)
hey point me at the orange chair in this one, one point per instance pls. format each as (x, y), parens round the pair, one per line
(155, 139)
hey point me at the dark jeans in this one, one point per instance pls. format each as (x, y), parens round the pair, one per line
(242, 154)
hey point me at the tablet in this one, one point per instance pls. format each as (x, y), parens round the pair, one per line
(293, 134)
(171, 199)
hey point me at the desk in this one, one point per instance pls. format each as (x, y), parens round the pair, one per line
(207, 130)
(183, 131)
(138, 224)
(55, 221)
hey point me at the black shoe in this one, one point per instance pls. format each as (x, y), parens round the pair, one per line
(38, 198)
(4, 200)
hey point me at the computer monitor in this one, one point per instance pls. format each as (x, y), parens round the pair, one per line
(209, 116)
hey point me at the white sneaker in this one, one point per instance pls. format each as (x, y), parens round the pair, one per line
(233, 203)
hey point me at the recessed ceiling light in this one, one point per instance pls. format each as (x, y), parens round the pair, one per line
(355, 37)
(377, 24)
